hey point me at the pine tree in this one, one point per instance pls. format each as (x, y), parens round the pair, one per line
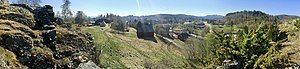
(255, 48)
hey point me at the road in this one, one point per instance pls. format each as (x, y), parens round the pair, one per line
(170, 40)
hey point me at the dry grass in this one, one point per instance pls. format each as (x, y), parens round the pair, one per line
(127, 51)
(8, 60)
(293, 44)
(17, 14)
(8, 27)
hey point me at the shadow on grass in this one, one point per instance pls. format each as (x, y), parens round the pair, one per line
(149, 39)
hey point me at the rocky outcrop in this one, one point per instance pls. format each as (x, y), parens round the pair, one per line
(30, 33)
(45, 17)
(18, 14)
(88, 65)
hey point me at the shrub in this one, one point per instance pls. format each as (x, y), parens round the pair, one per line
(255, 48)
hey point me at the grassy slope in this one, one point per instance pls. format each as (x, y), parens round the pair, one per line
(127, 51)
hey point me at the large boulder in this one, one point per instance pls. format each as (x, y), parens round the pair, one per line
(78, 47)
(45, 17)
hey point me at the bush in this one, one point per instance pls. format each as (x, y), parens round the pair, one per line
(119, 25)
(297, 23)
(255, 48)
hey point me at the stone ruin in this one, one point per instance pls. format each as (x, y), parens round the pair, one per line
(30, 33)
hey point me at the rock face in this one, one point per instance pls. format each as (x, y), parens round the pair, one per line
(45, 17)
(30, 33)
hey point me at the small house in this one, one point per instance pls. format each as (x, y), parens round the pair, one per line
(188, 24)
(181, 34)
(199, 25)
(144, 30)
(100, 22)
(91, 23)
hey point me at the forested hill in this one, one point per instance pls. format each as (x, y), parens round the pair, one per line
(173, 18)
(213, 17)
(287, 18)
(241, 17)
(170, 18)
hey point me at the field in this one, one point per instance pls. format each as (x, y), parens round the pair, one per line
(125, 50)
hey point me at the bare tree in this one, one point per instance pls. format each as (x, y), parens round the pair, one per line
(80, 18)
(66, 11)
(35, 2)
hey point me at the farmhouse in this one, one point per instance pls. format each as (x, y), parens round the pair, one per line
(144, 30)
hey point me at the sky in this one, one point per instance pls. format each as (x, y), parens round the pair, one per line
(190, 7)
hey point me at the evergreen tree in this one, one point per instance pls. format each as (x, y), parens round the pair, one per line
(255, 48)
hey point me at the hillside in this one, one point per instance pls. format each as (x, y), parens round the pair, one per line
(213, 17)
(286, 18)
(249, 17)
(173, 17)
(125, 50)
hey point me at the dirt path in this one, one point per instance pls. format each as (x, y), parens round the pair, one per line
(170, 40)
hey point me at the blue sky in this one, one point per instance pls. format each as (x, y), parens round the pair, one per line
(190, 7)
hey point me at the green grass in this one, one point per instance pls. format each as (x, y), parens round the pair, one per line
(127, 51)
(108, 45)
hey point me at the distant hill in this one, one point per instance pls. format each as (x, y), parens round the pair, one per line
(234, 17)
(251, 17)
(163, 17)
(173, 18)
(213, 17)
(287, 18)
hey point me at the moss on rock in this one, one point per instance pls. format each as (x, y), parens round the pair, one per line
(32, 44)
